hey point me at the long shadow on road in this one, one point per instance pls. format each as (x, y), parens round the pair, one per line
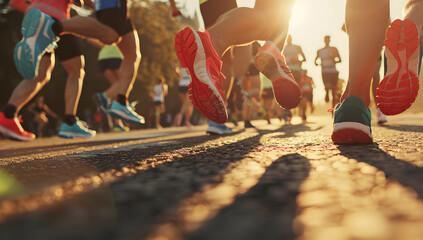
(61, 147)
(403, 127)
(129, 206)
(267, 210)
(42, 173)
(133, 206)
(405, 173)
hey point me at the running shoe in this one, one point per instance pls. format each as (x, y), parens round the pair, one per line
(102, 101)
(381, 118)
(11, 128)
(126, 113)
(352, 122)
(77, 130)
(38, 38)
(218, 128)
(195, 52)
(272, 64)
(398, 90)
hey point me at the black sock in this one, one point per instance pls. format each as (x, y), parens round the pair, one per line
(57, 27)
(121, 99)
(9, 111)
(69, 119)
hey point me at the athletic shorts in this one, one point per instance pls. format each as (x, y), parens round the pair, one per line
(116, 18)
(330, 80)
(213, 9)
(307, 97)
(67, 48)
(157, 103)
(267, 93)
(183, 89)
(109, 64)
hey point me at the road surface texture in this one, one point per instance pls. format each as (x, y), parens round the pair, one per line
(273, 182)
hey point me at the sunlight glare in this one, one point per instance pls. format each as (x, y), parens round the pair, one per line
(299, 14)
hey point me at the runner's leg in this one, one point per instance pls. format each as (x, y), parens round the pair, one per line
(113, 77)
(75, 69)
(91, 28)
(244, 25)
(130, 48)
(366, 23)
(414, 11)
(27, 89)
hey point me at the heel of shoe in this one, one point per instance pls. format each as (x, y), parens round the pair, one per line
(185, 44)
(287, 94)
(31, 22)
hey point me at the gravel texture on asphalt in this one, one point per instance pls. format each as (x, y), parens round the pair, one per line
(273, 182)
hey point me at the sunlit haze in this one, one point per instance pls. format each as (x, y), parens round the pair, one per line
(311, 21)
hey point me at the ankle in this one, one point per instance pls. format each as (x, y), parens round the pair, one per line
(10, 111)
(365, 99)
(69, 119)
(122, 99)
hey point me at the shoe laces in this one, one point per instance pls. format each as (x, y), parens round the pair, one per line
(131, 110)
(82, 124)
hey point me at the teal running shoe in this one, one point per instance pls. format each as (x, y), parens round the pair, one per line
(352, 122)
(126, 113)
(77, 130)
(38, 38)
(102, 101)
(218, 128)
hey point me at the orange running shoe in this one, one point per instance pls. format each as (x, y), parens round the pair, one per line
(398, 90)
(11, 127)
(195, 52)
(272, 64)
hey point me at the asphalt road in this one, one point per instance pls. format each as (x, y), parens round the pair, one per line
(273, 182)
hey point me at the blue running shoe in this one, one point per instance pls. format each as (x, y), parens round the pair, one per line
(352, 122)
(102, 101)
(38, 38)
(218, 128)
(126, 113)
(77, 130)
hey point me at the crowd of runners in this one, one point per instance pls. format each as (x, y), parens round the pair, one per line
(224, 71)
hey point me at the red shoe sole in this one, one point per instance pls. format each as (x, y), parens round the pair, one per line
(201, 96)
(287, 94)
(397, 91)
(351, 136)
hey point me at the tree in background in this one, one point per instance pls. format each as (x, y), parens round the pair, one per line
(156, 29)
